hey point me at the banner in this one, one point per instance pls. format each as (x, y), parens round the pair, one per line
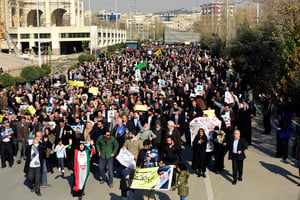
(94, 90)
(18, 99)
(126, 158)
(141, 65)
(207, 123)
(155, 178)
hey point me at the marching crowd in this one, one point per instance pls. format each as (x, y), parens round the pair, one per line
(88, 114)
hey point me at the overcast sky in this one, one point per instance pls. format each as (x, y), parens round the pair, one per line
(146, 6)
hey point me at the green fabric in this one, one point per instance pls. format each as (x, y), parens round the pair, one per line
(182, 183)
(141, 65)
(107, 148)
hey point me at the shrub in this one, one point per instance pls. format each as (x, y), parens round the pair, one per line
(19, 79)
(6, 80)
(86, 57)
(46, 68)
(32, 73)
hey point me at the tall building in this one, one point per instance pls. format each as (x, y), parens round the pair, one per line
(59, 24)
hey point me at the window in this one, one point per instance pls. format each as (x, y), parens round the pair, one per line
(25, 36)
(42, 35)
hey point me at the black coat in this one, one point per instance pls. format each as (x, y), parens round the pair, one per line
(242, 146)
(199, 151)
(41, 150)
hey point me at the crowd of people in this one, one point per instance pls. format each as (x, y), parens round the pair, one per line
(116, 103)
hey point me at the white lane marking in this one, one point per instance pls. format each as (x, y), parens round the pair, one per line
(208, 187)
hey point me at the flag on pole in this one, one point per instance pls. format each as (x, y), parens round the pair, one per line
(205, 56)
(158, 52)
(141, 65)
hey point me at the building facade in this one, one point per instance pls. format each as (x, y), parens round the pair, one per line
(59, 24)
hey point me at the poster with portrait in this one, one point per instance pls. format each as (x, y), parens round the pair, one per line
(49, 110)
(199, 90)
(134, 89)
(154, 178)
(77, 129)
(110, 115)
(207, 123)
(7, 132)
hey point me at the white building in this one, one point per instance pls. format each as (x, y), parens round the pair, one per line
(60, 24)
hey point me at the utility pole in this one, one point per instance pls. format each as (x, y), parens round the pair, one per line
(227, 22)
(38, 30)
(213, 16)
(90, 20)
(257, 12)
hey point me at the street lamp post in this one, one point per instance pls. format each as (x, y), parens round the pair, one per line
(90, 21)
(38, 34)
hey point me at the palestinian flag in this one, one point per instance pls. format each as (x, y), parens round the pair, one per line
(81, 168)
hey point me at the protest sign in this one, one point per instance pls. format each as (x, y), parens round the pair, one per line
(228, 98)
(138, 75)
(93, 90)
(31, 110)
(199, 90)
(134, 89)
(155, 178)
(110, 115)
(141, 107)
(49, 110)
(126, 158)
(209, 113)
(207, 123)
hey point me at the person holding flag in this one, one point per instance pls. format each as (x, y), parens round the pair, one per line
(81, 169)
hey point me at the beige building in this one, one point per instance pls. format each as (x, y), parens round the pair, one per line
(59, 24)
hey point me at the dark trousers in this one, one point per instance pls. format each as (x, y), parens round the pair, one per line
(6, 153)
(34, 177)
(60, 163)
(267, 123)
(237, 167)
(109, 163)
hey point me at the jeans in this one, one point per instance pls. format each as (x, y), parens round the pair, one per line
(60, 163)
(182, 198)
(44, 173)
(102, 165)
(21, 149)
(34, 176)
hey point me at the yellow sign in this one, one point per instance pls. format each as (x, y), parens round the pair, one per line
(145, 178)
(18, 99)
(1, 118)
(94, 90)
(141, 107)
(209, 113)
(158, 52)
(76, 83)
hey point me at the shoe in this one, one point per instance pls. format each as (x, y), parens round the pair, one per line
(32, 189)
(59, 169)
(240, 179)
(45, 185)
(203, 175)
(102, 181)
(233, 182)
(39, 194)
(111, 185)
(19, 162)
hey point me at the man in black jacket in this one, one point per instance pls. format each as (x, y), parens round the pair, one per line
(237, 155)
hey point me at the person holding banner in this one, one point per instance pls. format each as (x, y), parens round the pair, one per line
(182, 181)
(199, 153)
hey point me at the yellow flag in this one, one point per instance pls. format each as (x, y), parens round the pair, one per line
(31, 110)
(158, 52)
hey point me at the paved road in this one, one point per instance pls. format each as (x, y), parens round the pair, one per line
(265, 178)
